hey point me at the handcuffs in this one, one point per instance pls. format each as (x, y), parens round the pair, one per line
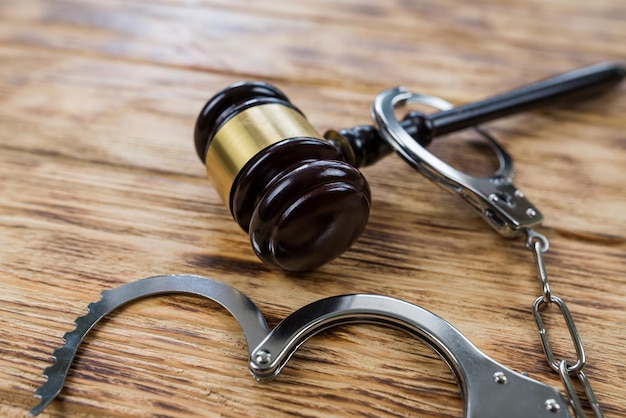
(479, 377)
(488, 388)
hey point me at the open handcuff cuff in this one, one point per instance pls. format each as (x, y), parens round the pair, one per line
(488, 388)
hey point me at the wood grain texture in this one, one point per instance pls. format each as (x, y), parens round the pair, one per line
(100, 186)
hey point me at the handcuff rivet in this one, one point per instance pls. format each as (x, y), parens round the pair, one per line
(263, 357)
(531, 213)
(499, 378)
(552, 405)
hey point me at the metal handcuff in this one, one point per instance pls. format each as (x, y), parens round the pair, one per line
(480, 378)
(509, 393)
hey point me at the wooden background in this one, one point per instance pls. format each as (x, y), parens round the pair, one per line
(100, 186)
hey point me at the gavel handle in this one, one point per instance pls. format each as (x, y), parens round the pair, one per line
(575, 85)
(571, 86)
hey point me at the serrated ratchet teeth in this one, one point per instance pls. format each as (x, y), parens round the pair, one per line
(239, 305)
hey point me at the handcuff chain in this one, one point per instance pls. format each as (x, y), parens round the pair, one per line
(538, 244)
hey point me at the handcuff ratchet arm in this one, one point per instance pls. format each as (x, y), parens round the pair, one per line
(246, 313)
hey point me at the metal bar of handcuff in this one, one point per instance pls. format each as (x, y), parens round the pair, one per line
(246, 313)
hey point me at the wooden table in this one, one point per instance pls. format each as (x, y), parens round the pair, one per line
(100, 186)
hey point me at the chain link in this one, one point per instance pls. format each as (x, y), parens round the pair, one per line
(571, 326)
(538, 244)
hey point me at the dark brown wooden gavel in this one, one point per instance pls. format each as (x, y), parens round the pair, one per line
(300, 196)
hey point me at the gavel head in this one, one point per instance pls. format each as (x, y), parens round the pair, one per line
(295, 193)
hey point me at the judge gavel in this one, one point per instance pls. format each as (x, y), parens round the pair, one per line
(300, 196)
